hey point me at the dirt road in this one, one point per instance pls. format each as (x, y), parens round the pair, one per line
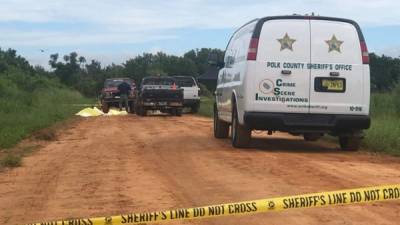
(111, 165)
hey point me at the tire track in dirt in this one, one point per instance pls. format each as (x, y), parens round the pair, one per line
(112, 165)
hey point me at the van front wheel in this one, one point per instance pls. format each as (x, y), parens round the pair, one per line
(240, 134)
(221, 128)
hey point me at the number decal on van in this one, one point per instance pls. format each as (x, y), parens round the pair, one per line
(355, 108)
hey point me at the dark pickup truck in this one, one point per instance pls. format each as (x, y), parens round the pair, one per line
(159, 93)
(110, 96)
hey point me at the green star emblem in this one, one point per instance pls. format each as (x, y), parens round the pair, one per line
(334, 44)
(286, 42)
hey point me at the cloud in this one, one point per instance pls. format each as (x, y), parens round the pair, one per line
(62, 38)
(104, 22)
(160, 14)
(134, 21)
(393, 51)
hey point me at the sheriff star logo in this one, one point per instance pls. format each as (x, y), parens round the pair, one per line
(334, 44)
(286, 42)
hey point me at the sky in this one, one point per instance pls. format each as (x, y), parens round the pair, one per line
(116, 30)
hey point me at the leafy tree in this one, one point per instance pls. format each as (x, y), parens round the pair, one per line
(68, 71)
(385, 72)
(200, 57)
(88, 78)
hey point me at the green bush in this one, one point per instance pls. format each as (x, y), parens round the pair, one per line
(206, 106)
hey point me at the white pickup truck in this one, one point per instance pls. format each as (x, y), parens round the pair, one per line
(191, 97)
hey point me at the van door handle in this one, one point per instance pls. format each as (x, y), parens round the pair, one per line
(334, 74)
(286, 72)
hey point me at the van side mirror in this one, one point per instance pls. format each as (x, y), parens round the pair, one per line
(213, 60)
(230, 61)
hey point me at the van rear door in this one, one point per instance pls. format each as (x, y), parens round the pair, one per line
(337, 81)
(279, 79)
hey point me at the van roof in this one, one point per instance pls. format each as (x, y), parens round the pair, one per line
(261, 21)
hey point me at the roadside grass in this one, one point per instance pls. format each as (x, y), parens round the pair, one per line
(206, 106)
(28, 105)
(384, 134)
(26, 113)
(12, 157)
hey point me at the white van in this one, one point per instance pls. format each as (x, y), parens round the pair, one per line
(306, 75)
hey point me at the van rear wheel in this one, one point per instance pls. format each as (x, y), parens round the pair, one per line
(240, 134)
(221, 128)
(349, 143)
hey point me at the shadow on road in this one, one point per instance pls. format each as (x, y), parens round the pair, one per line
(278, 144)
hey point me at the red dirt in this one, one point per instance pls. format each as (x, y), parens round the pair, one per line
(112, 165)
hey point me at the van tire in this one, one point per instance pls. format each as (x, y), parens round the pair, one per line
(221, 128)
(349, 143)
(240, 134)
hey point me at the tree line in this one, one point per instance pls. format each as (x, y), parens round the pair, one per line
(74, 71)
(88, 77)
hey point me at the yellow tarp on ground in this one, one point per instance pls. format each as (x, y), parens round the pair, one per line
(89, 112)
(116, 112)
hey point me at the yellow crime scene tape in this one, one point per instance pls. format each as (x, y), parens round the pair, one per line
(322, 199)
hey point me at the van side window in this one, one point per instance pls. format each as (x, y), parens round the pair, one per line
(229, 58)
(219, 79)
(230, 53)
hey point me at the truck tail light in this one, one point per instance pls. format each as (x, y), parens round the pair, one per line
(364, 52)
(253, 48)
